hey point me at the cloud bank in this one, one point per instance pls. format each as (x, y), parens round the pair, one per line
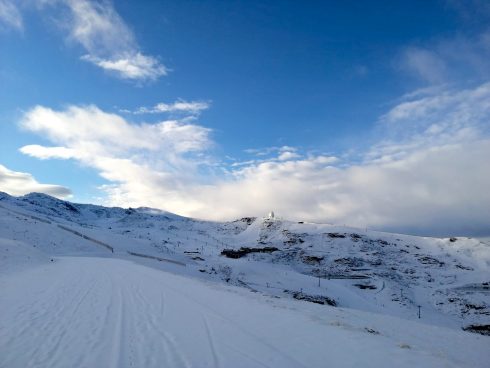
(19, 183)
(429, 175)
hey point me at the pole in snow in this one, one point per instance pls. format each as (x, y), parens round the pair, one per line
(419, 310)
(318, 281)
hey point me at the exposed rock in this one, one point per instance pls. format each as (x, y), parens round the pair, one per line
(335, 235)
(366, 286)
(243, 251)
(293, 238)
(318, 299)
(355, 237)
(480, 329)
(248, 220)
(311, 260)
(430, 261)
(351, 262)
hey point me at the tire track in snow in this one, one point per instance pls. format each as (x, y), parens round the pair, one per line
(211, 343)
(33, 320)
(130, 308)
(247, 356)
(116, 350)
(230, 321)
(73, 319)
(169, 344)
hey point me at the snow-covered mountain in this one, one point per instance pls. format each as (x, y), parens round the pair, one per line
(356, 268)
(438, 282)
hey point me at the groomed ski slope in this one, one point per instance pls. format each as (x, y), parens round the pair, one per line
(105, 312)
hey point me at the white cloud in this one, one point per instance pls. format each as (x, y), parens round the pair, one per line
(19, 183)
(45, 153)
(429, 175)
(83, 129)
(98, 27)
(449, 60)
(270, 150)
(133, 66)
(426, 64)
(108, 41)
(153, 162)
(435, 118)
(433, 190)
(288, 155)
(180, 106)
(10, 15)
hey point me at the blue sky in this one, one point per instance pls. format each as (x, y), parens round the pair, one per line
(365, 113)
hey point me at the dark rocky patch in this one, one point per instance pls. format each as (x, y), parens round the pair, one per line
(480, 329)
(351, 262)
(366, 286)
(246, 220)
(427, 260)
(464, 267)
(243, 251)
(355, 237)
(293, 238)
(318, 299)
(376, 262)
(311, 260)
(70, 207)
(129, 211)
(474, 306)
(336, 235)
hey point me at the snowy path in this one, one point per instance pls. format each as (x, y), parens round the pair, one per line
(97, 312)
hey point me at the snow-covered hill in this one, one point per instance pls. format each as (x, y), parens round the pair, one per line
(442, 282)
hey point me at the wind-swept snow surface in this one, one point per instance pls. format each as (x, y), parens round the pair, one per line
(105, 312)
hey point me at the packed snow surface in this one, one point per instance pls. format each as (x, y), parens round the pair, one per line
(90, 286)
(103, 312)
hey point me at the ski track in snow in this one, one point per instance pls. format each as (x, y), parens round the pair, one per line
(120, 320)
(95, 312)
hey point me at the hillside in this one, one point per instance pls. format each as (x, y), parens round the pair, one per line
(367, 282)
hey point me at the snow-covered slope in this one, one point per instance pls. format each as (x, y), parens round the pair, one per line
(95, 312)
(383, 276)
